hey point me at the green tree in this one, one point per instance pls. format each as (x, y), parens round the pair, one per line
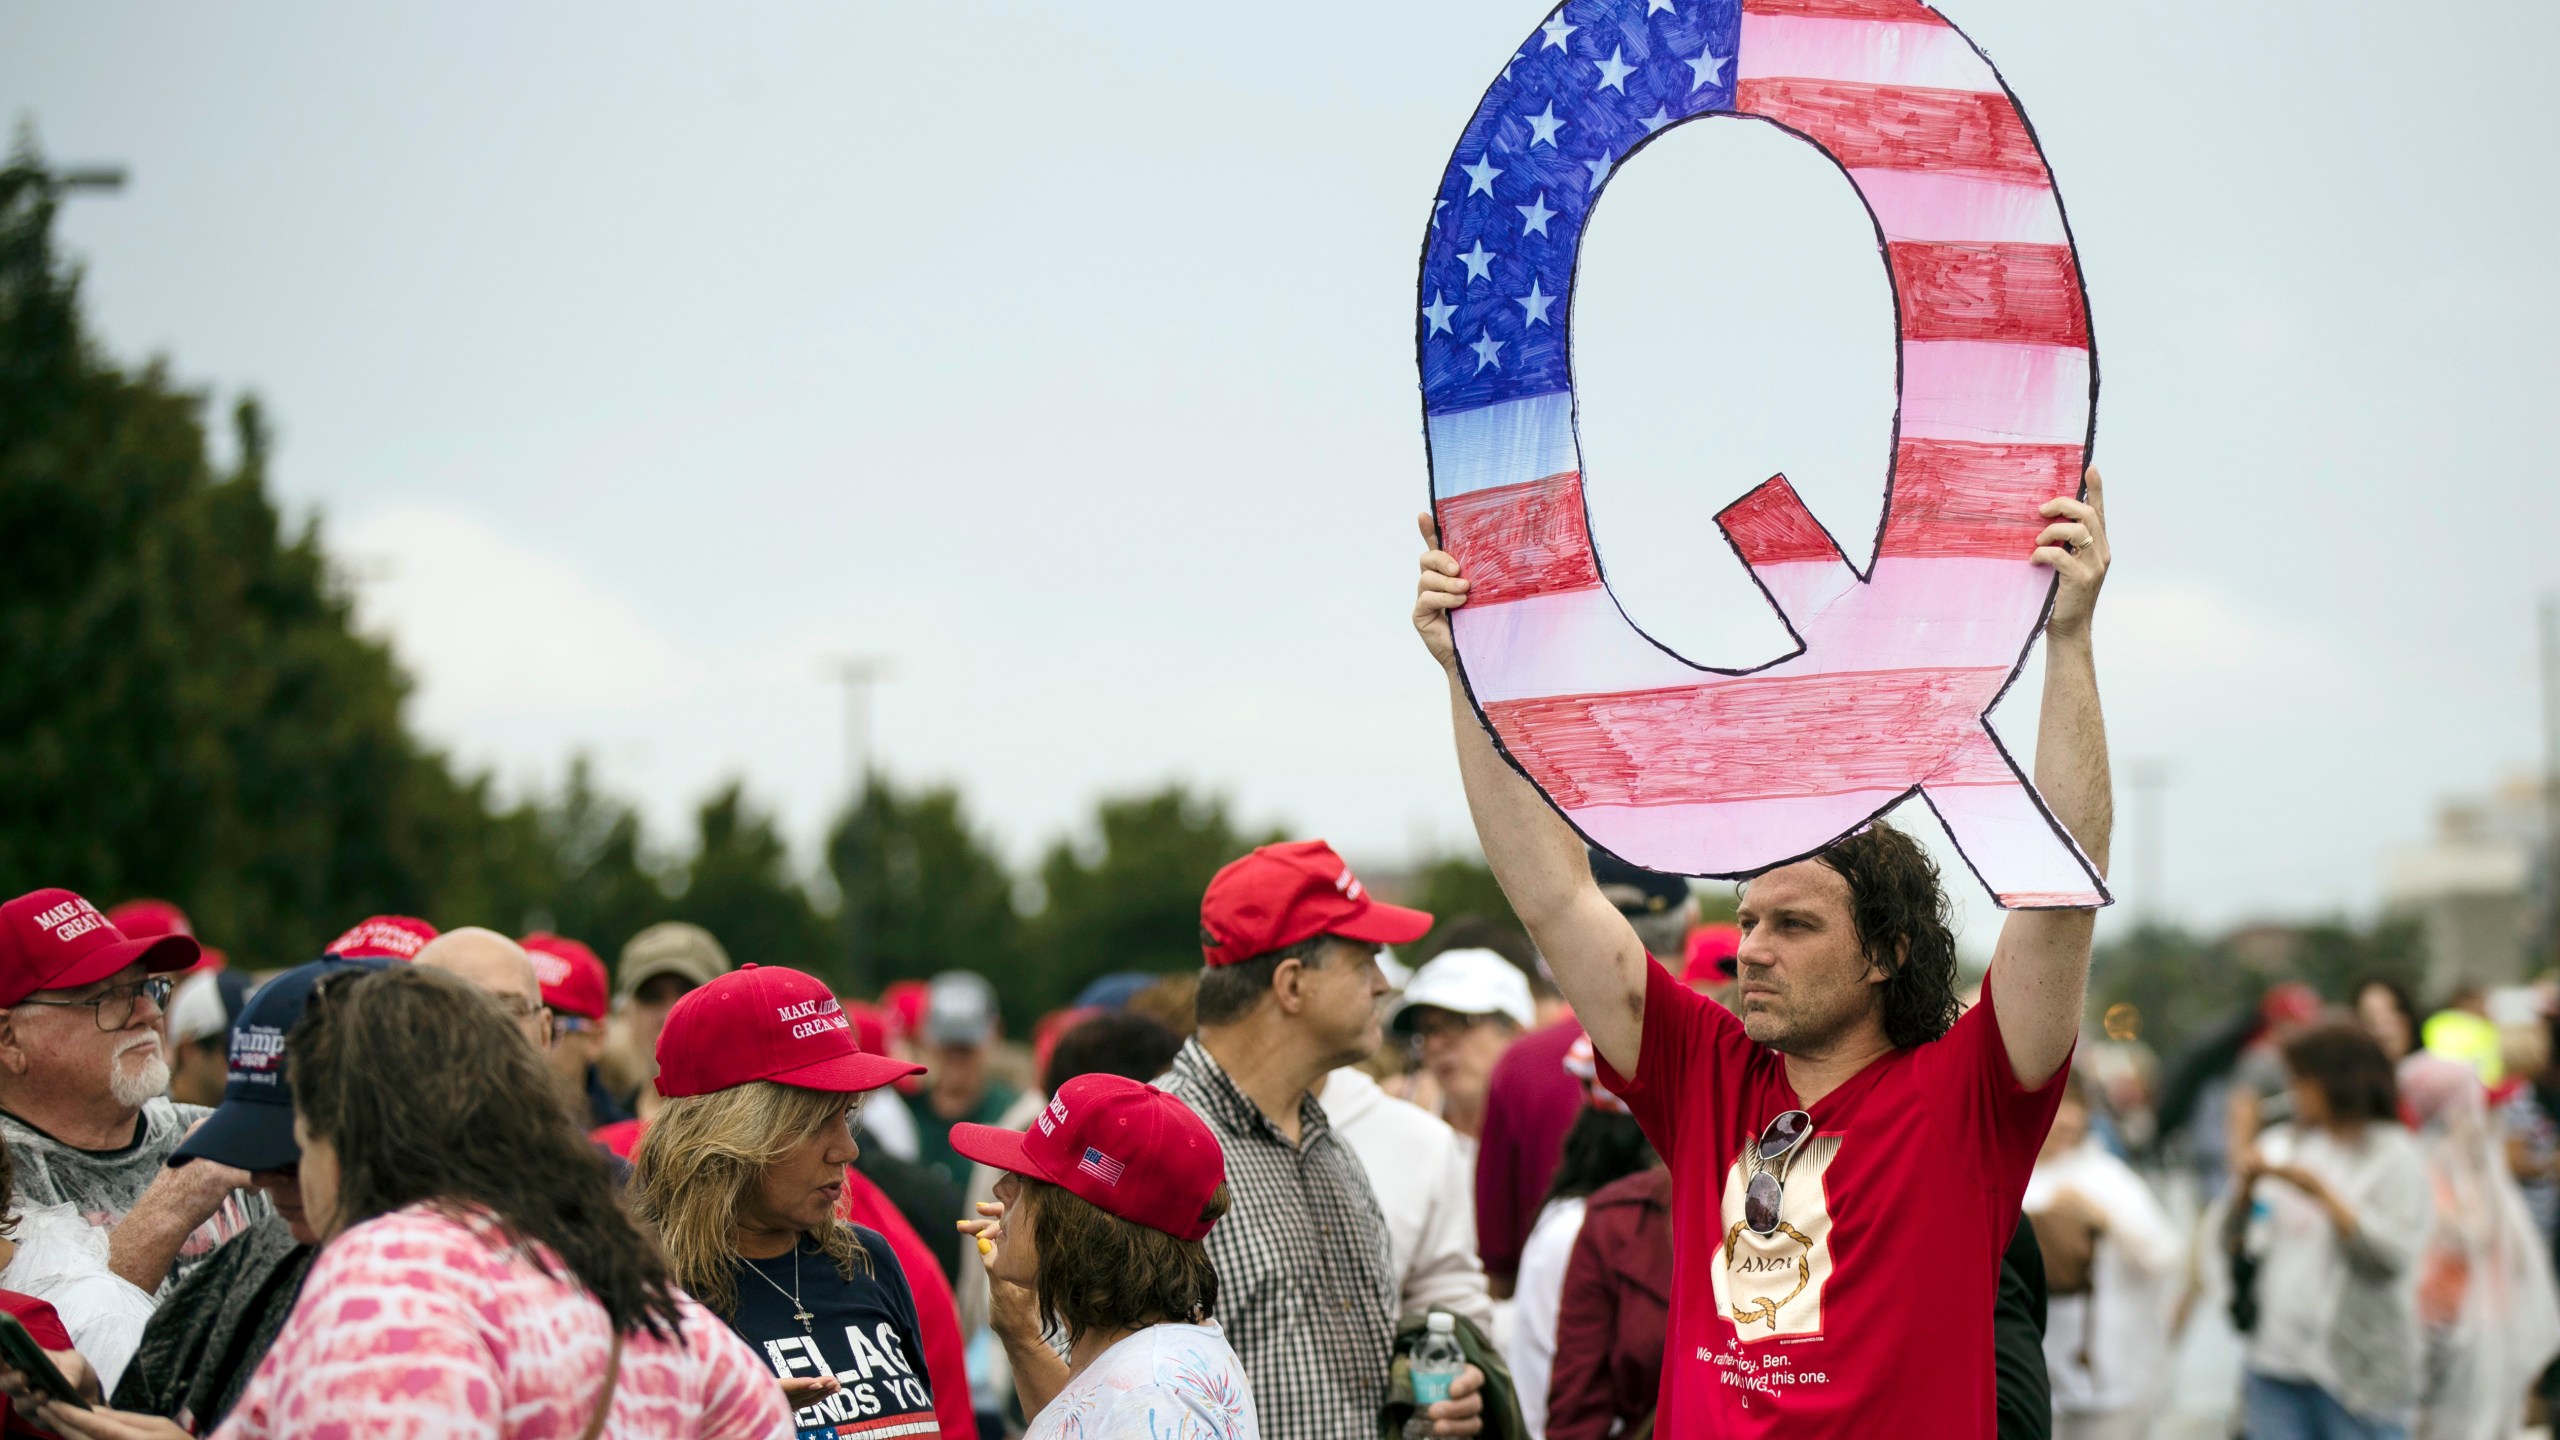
(1456, 885)
(184, 708)
(605, 883)
(921, 891)
(739, 885)
(1127, 896)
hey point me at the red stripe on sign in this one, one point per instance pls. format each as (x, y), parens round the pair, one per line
(1770, 526)
(1900, 127)
(1905, 12)
(2024, 293)
(1515, 541)
(1753, 739)
(1955, 499)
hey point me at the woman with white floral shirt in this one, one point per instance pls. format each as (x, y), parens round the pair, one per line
(1095, 1239)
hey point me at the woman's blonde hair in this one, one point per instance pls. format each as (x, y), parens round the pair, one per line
(699, 1161)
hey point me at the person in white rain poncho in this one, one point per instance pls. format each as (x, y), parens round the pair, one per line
(2112, 1257)
(2485, 1291)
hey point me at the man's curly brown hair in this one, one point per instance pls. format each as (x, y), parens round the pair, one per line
(1901, 914)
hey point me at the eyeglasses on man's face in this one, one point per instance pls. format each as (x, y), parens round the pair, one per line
(114, 1005)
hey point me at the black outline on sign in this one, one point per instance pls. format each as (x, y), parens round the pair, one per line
(2089, 449)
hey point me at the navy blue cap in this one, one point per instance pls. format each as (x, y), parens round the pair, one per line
(1113, 991)
(1656, 893)
(252, 1129)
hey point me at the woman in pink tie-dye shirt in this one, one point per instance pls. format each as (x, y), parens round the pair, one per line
(478, 1276)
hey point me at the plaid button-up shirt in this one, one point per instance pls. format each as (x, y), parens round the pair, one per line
(1306, 1292)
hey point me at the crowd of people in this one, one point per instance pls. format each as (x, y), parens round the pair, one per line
(1366, 1172)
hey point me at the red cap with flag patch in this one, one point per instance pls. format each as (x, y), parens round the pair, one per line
(1282, 894)
(1129, 1148)
(765, 1022)
(574, 980)
(54, 940)
(382, 937)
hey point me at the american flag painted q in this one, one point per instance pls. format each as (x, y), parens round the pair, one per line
(1704, 771)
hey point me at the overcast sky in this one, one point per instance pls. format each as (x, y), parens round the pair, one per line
(639, 357)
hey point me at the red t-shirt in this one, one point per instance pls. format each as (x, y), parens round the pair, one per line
(1871, 1304)
(1529, 1105)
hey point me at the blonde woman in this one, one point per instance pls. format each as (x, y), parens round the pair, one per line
(743, 1173)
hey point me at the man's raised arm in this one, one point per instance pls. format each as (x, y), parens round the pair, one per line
(1541, 863)
(2040, 970)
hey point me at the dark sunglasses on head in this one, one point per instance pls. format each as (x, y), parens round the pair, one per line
(1768, 1187)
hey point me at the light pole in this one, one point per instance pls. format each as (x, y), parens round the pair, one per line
(857, 674)
(2550, 647)
(2150, 883)
(107, 179)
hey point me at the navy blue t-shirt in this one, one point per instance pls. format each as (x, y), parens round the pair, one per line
(861, 1330)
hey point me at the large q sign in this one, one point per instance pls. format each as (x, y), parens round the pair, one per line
(1690, 768)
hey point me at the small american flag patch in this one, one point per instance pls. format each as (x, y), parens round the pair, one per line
(1101, 1166)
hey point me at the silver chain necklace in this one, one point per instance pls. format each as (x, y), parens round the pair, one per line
(799, 1311)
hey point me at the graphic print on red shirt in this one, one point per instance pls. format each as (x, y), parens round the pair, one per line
(1873, 1296)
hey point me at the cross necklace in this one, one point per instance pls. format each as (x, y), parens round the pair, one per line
(799, 1311)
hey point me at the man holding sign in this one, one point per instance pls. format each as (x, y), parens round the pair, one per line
(1847, 1153)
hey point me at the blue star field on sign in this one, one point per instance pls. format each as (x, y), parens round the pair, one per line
(1594, 81)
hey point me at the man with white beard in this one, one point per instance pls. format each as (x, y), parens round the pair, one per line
(82, 1071)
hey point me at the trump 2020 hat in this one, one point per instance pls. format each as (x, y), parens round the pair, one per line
(1128, 1147)
(54, 940)
(252, 1129)
(1282, 894)
(765, 1022)
(573, 978)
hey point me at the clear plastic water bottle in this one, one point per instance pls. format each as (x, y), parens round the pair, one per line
(1436, 1362)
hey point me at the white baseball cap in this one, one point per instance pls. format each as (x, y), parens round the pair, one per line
(204, 1005)
(1468, 982)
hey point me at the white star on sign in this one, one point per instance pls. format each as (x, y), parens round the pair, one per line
(1479, 262)
(1709, 67)
(1436, 207)
(1536, 303)
(1480, 175)
(1488, 351)
(1599, 170)
(1614, 72)
(1660, 117)
(1544, 125)
(1659, 6)
(1556, 29)
(1535, 215)
(1439, 311)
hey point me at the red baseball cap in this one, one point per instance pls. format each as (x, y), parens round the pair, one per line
(765, 1022)
(54, 940)
(147, 919)
(574, 981)
(903, 1002)
(382, 937)
(1715, 953)
(1128, 1147)
(870, 1027)
(1282, 894)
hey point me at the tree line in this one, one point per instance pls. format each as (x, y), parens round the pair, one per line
(186, 711)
